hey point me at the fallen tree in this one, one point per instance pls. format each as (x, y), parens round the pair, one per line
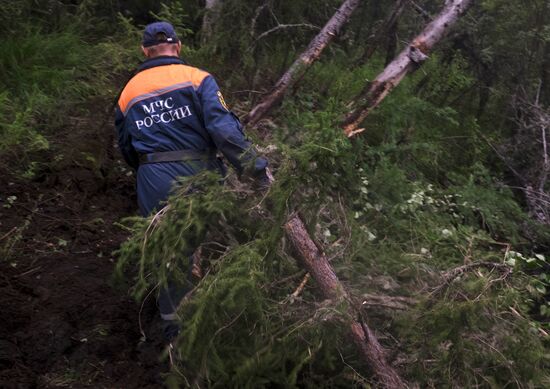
(307, 253)
(317, 264)
(303, 62)
(407, 61)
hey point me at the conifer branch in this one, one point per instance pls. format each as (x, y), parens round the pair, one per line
(452, 274)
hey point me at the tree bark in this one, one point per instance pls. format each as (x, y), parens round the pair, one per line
(317, 264)
(407, 61)
(545, 74)
(304, 61)
(308, 254)
(211, 13)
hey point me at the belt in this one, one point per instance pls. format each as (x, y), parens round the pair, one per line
(176, 156)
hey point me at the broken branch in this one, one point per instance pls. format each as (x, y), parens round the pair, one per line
(451, 275)
(284, 27)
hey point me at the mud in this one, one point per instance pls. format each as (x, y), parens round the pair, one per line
(64, 323)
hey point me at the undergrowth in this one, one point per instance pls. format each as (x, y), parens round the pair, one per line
(387, 234)
(418, 209)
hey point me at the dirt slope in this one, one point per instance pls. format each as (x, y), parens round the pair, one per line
(63, 323)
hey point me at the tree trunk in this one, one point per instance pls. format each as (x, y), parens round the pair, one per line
(211, 13)
(308, 254)
(385, 29)
(304, 61)
(545, 75)
(317, 264)
(391, 44)
(407, 61)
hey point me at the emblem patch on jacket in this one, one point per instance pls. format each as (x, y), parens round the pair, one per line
(222, 100)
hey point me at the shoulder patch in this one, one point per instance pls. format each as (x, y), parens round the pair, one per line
(159, 80)
(222, 100)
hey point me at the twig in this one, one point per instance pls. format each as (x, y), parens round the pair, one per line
(533, 191)
(457, 271)
(425, 14)
(537, 97)
(544, 174)
(504, 358)
(450, 275)
(285, 280)
(219, 330)
(502, 158)
(8, 233)
(300, 287)
(256, 16)
(143, 336)
(365, 381)
(392, 302)
(283, 27)
(28, 272)
(152, 224)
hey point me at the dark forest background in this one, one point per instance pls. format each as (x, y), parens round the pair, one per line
(436, 217)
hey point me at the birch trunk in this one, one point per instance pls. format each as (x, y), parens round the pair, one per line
(308, 254)
(211, 11)
(407, 61)
(304, 61)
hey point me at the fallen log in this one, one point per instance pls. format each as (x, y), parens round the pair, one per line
(308, 254)
(303, 62)
(317, 264)
(407, 61)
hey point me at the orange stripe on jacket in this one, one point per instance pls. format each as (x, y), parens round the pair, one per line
(159, 79)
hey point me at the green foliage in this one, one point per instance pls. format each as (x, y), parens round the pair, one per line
(240, 301)
(35, 91)
(468, 335)
(165, 247)
(49, 74)
(428, 194)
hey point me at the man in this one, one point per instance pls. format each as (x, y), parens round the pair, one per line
(171, 120)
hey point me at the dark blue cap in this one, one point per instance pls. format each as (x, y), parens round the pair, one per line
(159, 32)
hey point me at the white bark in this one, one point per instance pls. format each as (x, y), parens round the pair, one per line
(304, 61)
(408, 60)
(211, 13)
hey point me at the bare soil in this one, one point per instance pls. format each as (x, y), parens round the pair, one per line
(64, 323)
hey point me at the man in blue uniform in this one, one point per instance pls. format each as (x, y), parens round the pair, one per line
(171, 120)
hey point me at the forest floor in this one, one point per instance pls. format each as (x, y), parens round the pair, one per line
(63, 323)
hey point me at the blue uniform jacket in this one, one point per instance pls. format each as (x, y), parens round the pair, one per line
(169, 106)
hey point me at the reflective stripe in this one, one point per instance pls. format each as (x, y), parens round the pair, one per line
(169, 316)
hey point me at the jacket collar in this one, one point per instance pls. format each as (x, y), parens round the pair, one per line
(160, 61)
